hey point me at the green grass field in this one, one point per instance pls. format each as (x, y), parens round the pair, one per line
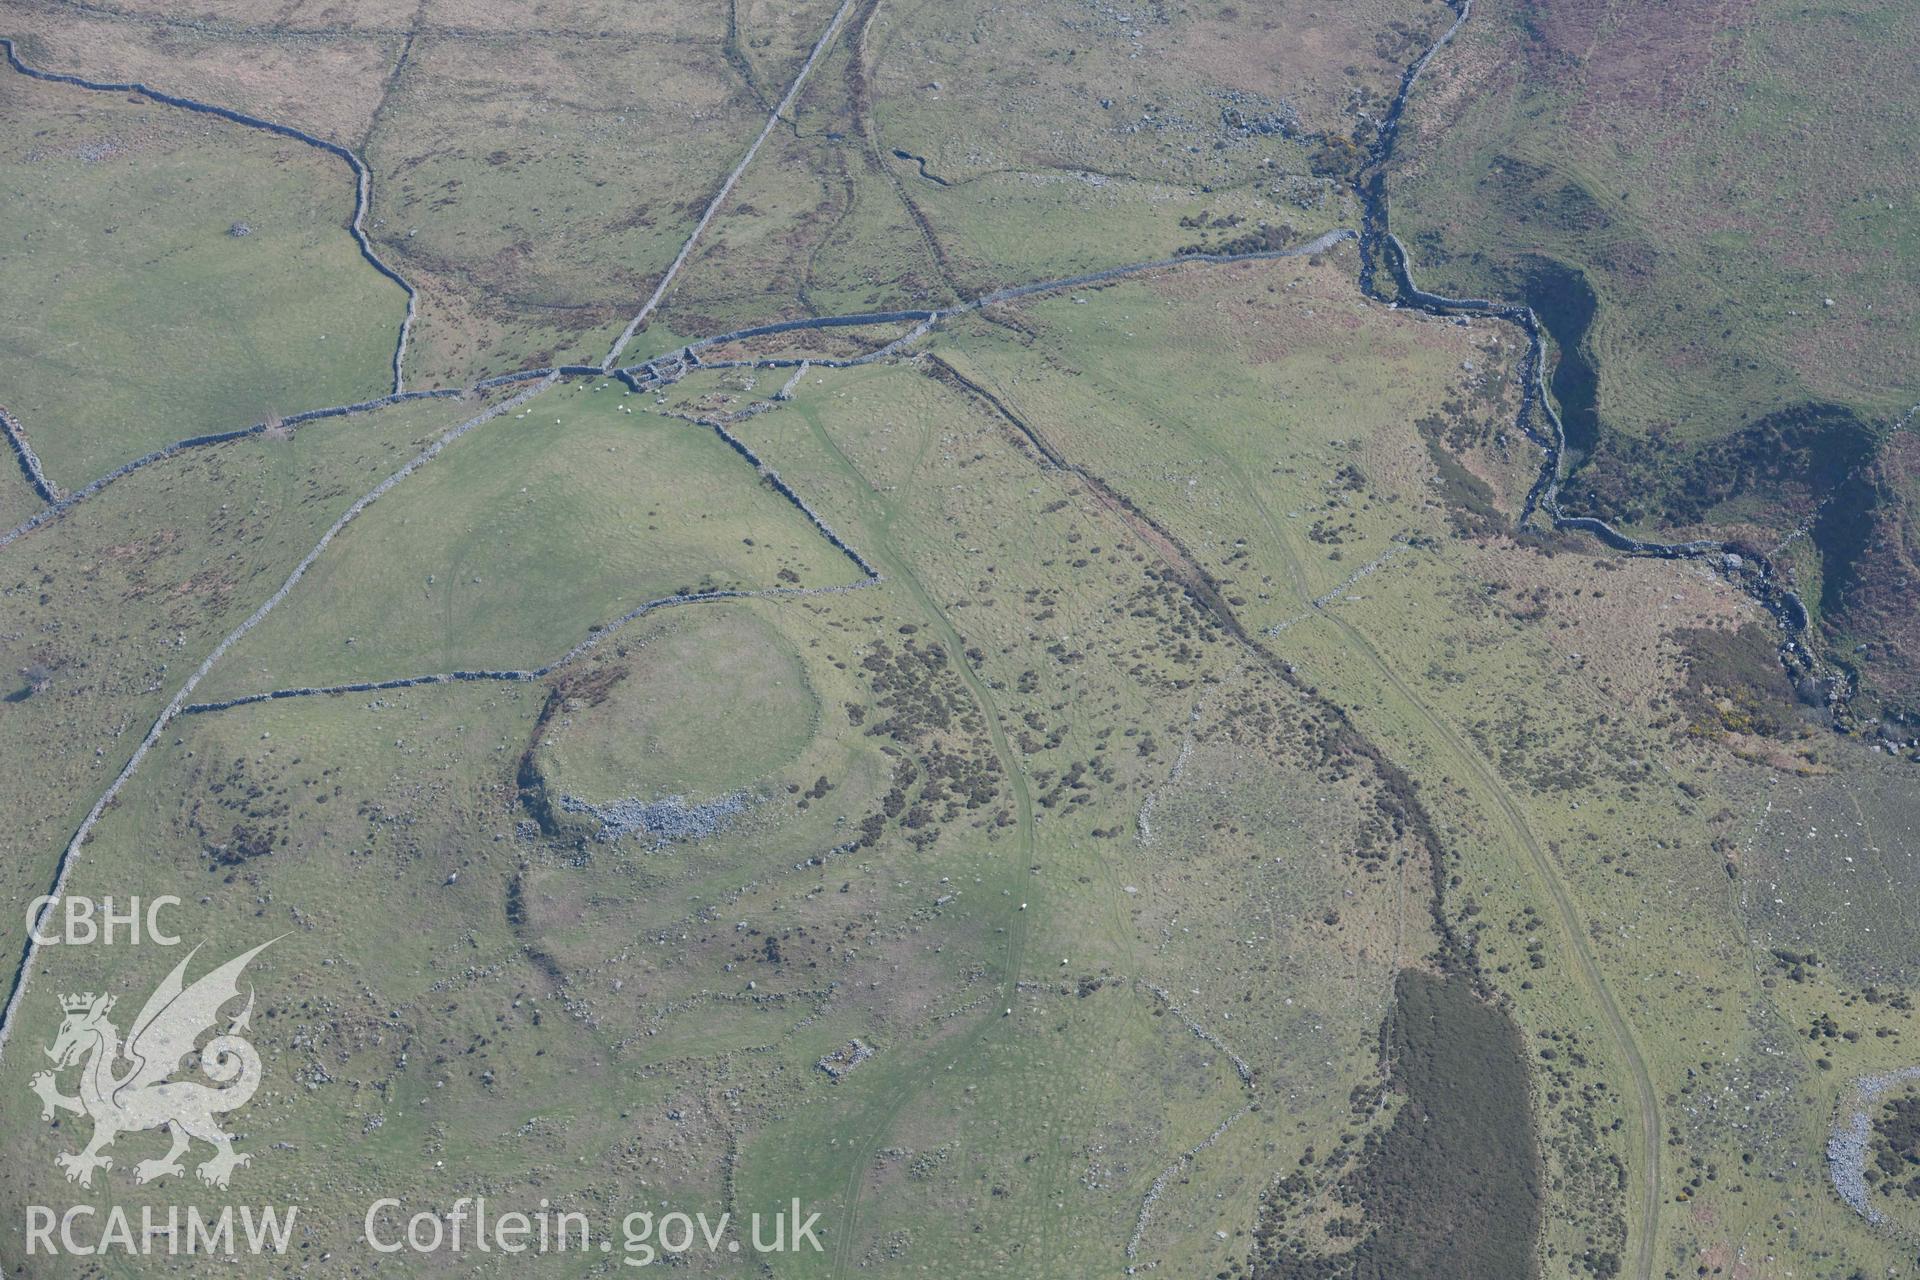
(138, 317)
(122, 598)
(718, 701)
(537, 528)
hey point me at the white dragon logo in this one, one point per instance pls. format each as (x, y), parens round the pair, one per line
(163, 1033)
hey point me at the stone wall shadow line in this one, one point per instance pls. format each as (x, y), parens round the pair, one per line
(63, 503)
(29, 461)
(517, 675)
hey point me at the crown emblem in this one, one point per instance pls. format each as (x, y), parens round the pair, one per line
(145, 1095)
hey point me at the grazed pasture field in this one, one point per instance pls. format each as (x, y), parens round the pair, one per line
(137, 316)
